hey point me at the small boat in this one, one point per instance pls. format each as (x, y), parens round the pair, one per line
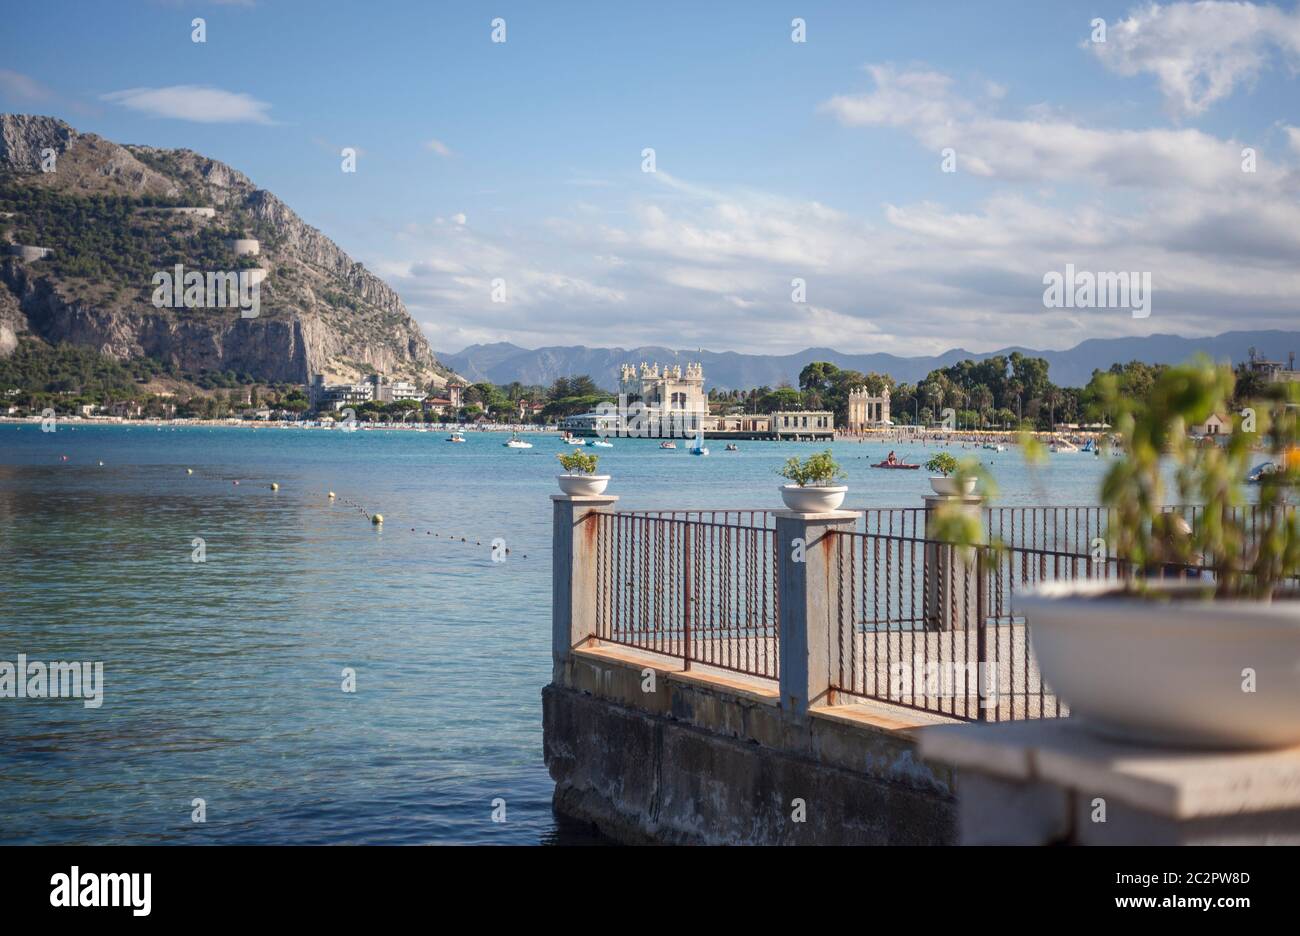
(994, 448)
(1089, 446)
(517, 443)
(455, 437)
(668, 444)
(733, 447)
(599, 443)
(898, 465)
(699, 448)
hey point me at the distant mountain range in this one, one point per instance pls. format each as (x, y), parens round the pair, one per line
(502, 362)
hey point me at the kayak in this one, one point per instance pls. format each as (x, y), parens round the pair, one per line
(899, 465)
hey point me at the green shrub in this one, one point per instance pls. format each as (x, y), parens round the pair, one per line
(819, 469)
(943, 463)
(577, 462)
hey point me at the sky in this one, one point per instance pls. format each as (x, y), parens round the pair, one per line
(904, 179)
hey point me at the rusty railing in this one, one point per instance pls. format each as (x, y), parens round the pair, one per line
(702, 591)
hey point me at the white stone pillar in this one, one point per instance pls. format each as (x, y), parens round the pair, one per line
(805, 547)
(573, 570)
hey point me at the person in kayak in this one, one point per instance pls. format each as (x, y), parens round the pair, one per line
(891, 460)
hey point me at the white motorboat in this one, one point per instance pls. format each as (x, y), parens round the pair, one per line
(515, 442)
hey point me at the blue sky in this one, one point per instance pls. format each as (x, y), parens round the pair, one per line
(521, 161)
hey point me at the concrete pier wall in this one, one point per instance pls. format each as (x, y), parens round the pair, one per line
(705, 759)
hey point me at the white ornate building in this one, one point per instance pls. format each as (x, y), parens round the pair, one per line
(867, 411)
(666, 389)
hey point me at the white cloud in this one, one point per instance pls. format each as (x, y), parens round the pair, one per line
(439, 147)
(1199, 53)
(196, 103)
(1042, 146)
(1293, 138)
(22, 87)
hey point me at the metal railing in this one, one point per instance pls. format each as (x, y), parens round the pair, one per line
(931, 625)
(748, 517)
(915, 621)
(702, 591)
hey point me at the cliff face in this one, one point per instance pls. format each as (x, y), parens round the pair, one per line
(106, 211)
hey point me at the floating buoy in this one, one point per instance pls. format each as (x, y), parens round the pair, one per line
(235, 483)
(101, 464)
(189, 471)
(377, 519)
(331, 495)
(274, 486)
(63, 457)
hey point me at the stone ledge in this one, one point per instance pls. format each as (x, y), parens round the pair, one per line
(1171, 783)
(881, 717)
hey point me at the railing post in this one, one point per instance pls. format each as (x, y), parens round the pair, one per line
(948, 573)
(688, 593)
(809, 643)
(982, 673)
(574, 547)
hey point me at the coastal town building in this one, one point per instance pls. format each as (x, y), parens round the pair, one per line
(325, 396)
(1217, 424)
(745, 422)
(438, 406)
(384, 391)
(803, 423)
(1274, 371)
(373, 388)
(867, 410)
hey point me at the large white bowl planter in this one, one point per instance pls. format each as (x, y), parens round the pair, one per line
(1185, 671)
(582, 485)
(813, 498)
(952, 486)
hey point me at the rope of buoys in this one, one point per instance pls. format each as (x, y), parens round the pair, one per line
(377, 519)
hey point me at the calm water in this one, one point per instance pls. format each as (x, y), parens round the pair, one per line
(223, 678)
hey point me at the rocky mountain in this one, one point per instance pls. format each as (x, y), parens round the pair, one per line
(113, 216)
(503, 362)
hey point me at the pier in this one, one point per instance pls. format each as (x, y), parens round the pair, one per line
(771, 677)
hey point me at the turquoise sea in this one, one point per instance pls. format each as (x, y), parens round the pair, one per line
(223, 678)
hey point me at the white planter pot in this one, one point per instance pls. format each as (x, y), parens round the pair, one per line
(813, 499)
(582, 485)
(1170, 672)
(952, 486)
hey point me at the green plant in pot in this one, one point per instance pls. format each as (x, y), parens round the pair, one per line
(951, 477)
(813, 488)
(580, 478)
(1195, 640)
